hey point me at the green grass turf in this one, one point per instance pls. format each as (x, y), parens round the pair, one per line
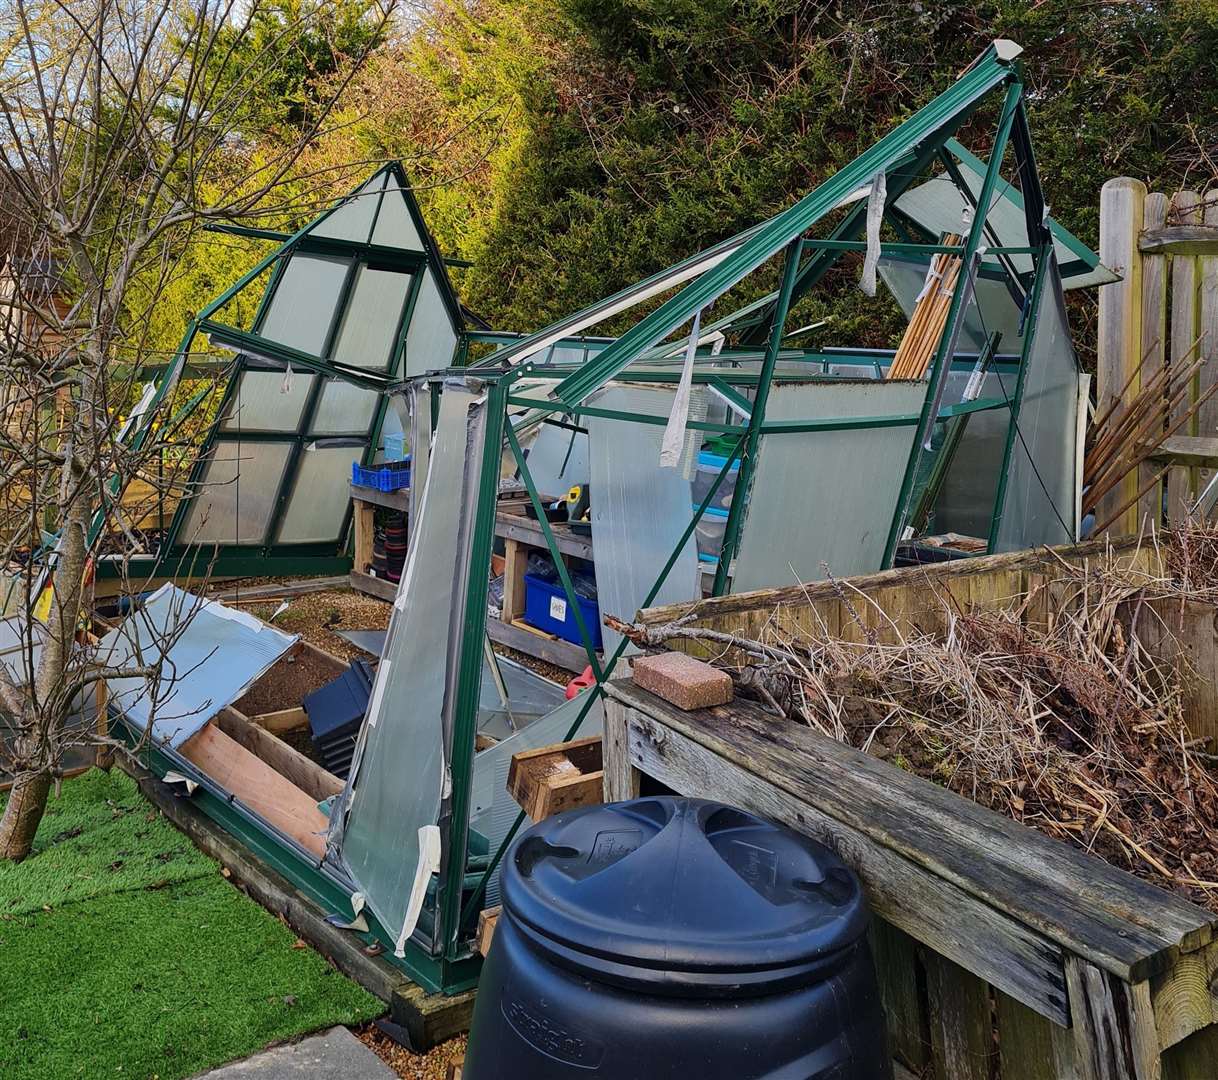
(156, 967)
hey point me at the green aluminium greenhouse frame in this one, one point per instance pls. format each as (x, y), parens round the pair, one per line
(446, 961)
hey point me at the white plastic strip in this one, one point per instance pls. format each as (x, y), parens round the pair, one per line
(875, 218)
(674, 432)
(429, 863)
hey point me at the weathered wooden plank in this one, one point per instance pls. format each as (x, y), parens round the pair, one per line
(1189, 450)
(961, 1031)
(1026, 1041)
(1113, 1025)
(1186, 632)
(1180, 240)
(282, 721)
(1186, 209)
(390, 500)
(912, 577)
(552, 779)
(935, 912)
(1194, 1059)
(1112, 918)
(1185, 999)
(1153, 350)
(560, 653)
(1119, 339)
(895, 955)
(622, 779)
(307, 775)
(373, 586)
(1207, 329)
(513, 526)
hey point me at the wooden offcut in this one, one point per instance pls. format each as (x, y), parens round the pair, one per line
(929, 318)
(488, 919)
(686, 682)
(555, 778)
(268, 794)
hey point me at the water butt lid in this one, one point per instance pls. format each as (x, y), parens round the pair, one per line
(682, 895)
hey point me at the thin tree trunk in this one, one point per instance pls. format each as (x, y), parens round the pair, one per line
(22, 813)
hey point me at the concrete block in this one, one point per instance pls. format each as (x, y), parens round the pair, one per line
(683, 681)
(333, 1053)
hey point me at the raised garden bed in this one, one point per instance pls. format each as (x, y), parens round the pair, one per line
(1002, 952)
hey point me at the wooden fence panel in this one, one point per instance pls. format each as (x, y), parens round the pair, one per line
(1164, 311)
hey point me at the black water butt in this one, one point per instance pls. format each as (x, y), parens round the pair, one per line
(676, 938)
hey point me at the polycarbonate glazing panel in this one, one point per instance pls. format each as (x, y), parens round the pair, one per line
(237, 493)
(398, 780)
(344, 409)
(394, 225)
(303, 306)
(430, 339)
(966, 500)
(557, 459)
(639, 510)
(370, 324)
(212, 653)
(991, 307)
(267, 401)
(1039, 505)
(825, 497)
(353, 220)
(492, 810)
(320, 495)
(529, 696)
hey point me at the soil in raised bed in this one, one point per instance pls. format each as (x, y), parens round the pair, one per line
(286, 684)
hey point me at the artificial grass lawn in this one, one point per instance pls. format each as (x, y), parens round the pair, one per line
(124, 952)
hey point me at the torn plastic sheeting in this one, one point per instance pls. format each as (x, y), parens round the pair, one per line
(211, 656)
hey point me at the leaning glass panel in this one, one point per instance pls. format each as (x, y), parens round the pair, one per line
(387, 832)
(303, 305)
(639, 510)
(430, 340)
(237, 493)
(344, 409)
(370, 324)
(1039, 506)
(320, 495)
(267, 401)
(824, 500)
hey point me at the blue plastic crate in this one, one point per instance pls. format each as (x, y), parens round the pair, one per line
(381, 477)
(546, 607)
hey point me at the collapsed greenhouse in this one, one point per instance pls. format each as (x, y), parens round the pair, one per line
(828, 461)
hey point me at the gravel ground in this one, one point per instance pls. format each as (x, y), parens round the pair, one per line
(430, 1066)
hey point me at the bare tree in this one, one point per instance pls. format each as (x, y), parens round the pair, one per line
(126, 125)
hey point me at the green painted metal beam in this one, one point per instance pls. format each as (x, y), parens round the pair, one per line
(934, 123)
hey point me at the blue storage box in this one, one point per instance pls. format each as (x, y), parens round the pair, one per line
(546, 607)
(381, 477)
(395, 447)
(709, 467)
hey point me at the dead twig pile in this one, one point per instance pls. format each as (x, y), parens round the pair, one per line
(1073, 729)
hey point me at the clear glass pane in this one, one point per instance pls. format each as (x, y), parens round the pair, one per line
(320, 495)
(344, 409)
(304, 303)
(353, 220)
(430, 340)
(370, 323)
(237, 494)
(267, 401)
(394, 225)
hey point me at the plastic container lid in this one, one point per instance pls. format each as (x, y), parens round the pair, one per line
(682, 896)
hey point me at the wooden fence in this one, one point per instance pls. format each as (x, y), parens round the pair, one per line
(1166, 249)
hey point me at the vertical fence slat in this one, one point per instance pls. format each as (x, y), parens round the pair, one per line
(1025, 1041)
(896, 968)
(1154, 340)
(961, 1029)
(1120, 337)
(1207, 303)
(1185, 210)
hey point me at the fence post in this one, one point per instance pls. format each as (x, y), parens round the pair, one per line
(1122, 210)
(1207, 303)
